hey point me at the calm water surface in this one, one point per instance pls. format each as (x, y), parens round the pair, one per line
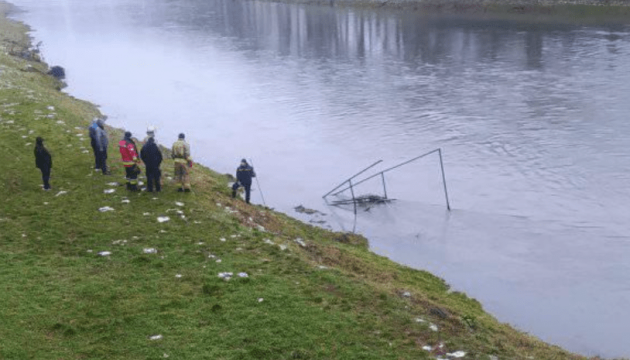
(534, 121)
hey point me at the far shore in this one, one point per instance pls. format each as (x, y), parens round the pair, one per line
(617, 11)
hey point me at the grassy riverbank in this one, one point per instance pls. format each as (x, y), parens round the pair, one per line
(322, 297)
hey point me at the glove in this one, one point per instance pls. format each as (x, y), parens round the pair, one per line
(190, 163)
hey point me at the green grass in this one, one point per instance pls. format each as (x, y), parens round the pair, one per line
(59, 299)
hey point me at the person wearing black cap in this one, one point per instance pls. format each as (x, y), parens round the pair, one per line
(43, 161)
(244, 175)
(183, 161)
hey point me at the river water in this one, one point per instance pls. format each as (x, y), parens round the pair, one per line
(532, 118)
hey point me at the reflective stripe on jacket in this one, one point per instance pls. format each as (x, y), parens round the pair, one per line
(128, 152)
(181, 152)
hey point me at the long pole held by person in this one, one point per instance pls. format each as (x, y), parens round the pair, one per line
(258, 183)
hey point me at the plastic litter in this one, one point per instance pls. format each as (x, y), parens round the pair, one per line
(282, 247)
(109, 191)
(179, 203)
(155, 337)
(126, 201)
(218, 261)
(146, 214)
(162, 219)
(222, 239)
(322, 267)
(106, 208)
(267, 241)
(433, 327)
(456, 354)
(300, 242)
(89, 250)
(243, 274)
(420, 320)
(406, 294)
(225, 275)
(178, 276)
(113, 184)
(61, 193)
(427, 348)
(260, 300)
(105, 253)
(149, 251)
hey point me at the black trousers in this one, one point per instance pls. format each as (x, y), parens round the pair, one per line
(95, 150)
(46, 177)
(153, 177)
(248, 189)
(101, 160)
(132, 178)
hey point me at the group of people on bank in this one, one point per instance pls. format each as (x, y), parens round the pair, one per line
(150, 155)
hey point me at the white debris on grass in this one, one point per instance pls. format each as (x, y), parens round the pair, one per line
(243, 274)
(125, 201)
(149, 251)
(406, 294)
(146, 214)
(85, 152)
(300, 242)
(322, 267)
(45, 203)
(179, 203)
(200, 243)
(165, 355)
(89, 250)
(427, 348)
(218, 261)
(119, 242)
(420, 320)
(212, 256)
(109, 191)
(106, 208)
(24, 136)
(28, 144)
(178, 276)
(162, 219)
(260, 300)
(61, 193)
(222, 239)
(456, 354)
(51, 108)
(226, 275)
(155, 337)
(104, 253)
(267, 241)
(113, 184)
(282, 247)
(433, 327)
(492, 357)
(234, 236)
(154, 199)
(261, 228)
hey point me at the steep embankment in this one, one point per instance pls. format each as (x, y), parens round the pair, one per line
(323, 297)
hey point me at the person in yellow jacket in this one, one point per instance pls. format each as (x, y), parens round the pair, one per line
(183, 162)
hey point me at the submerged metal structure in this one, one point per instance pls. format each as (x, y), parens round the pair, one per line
(375, 199)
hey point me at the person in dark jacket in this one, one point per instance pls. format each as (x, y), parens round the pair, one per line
(152, 158)
(97, 159)
(102, 142)
(43, 161)
(244, 175)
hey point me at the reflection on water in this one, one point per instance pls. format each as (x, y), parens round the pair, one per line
(532, 118)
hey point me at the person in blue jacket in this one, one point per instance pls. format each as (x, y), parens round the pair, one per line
(244, 175)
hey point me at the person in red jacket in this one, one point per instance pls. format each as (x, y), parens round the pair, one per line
(130, 159)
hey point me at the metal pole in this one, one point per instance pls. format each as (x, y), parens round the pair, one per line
(353, 176)
(448, 205)
(384, 186)
(354, 201)
(258, 183)
(389, 169)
